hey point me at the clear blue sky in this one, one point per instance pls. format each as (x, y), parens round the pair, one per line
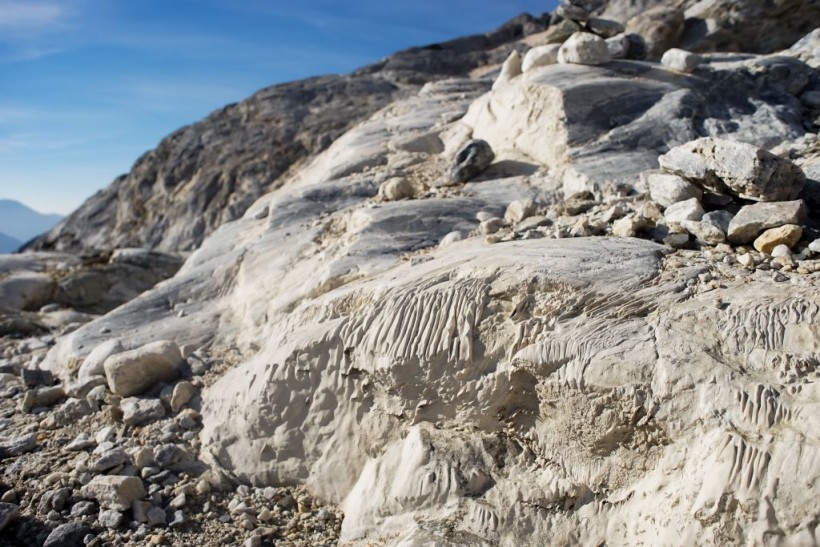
(87, 86)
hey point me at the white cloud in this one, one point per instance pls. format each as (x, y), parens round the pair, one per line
(18, 15)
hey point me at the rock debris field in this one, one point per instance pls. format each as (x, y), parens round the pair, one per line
(552, 285)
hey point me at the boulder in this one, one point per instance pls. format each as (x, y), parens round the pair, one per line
(584, 48)
(736, 168)
(666, 189)
(93, 364)
(26, 290)
(751, 220)
(540, 56)
(473, 158)
(787, 235)
(114, 491)
(133, 372)
(680, 60)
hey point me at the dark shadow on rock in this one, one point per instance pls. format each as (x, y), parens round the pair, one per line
(507, 168)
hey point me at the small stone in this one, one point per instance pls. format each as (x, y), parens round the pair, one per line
(491, 226)
(518, 210)
(68, 535)
(83, 508)
(93, 364)
(680, 60)
(137, 411)
(629, 226)
(746, 260)
(778, 277)
(115, 492)
(787, 235)
(668, 189)
(133, 372)
(81, 388)
(584, 48)
(269, 493)
(42, 397)
(178, 502)
(8, 512)
(170, 455)
(203, 487)
(110, 518)
(473, 158)
(183, 393)
(188, 418)
(690, 209)
(253, 541)
(704, 232)
(178, 520)
(144, 457)
(53, 500)
(37, 377)
(109, 461)
(155, 516)
(17, 445)
(106, 434)
(264, 515)
(540, 56)
(718, 219)
(83, 441)
(9, 496)
(814, 246)
(530, 223)
(604, 28)
(782, 251)
(396, 189)
(575, 12)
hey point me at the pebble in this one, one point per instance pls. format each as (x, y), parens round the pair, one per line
(110, 518)
(584, 48)
(114, 492)
(136, 411)
(83, 441)
(17, 445)
(156, 516)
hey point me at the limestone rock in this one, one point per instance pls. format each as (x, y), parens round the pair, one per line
(519, 210)
(668, 189)
(471, 161)
(93, 364)
(584, 48)
(705, 232)
(540, 56)
(604, 28)
(114, 492)
(787, 235)
(138, 411)
(134, 371)
(751, 220)
(719, 219)
(509, 70)
(182, 395)
(661, 26)
(680, 60)
(395, 189)
(740, 169)
(689, 209)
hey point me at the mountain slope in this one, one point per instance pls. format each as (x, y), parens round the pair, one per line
(210, 172)
(8, 244)
(23, 223)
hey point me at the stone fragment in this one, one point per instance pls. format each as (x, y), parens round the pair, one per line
(668, 189)
(17, 445)
(114, 492)
(751, 220)
(574, 11)
(42, 397)
(681, 60)
(144, 457)
(136, 411)
(83, 441)
(584, 48)
(558, 34)
(604, 27)
(93, 363)
(172, 456)
(396, 189)
(719, 219)
(746, 260)
(519, 209)
(531, 223)
(491, 226)
(628, 226)
(109, 461)
(540, 56)
(690, 209)
(110, 518)
(68, 535)
(8, 512)
(183, 393)
(704, 232)
(740, 169)
(814, 246)
(33, 377)
(787, 235)
(473, 158)
(83, 508)
(139, 509)
(509, 70)
(156, 516)
(660, 26)
(782, 251)
(53, 500)
(132, 372)
(83, 386)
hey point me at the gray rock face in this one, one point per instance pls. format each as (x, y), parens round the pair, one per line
(471, 161)
(8, 512)
(735, 168)
(751, 220)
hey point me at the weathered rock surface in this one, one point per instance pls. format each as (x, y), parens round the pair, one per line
(115, 492)
(584, 48)
(736, 168)
(751, 220)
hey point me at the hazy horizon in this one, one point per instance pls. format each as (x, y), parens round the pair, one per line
(89, 87)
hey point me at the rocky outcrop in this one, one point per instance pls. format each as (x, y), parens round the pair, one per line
(210, 172)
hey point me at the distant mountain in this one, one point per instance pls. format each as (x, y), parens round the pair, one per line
(21, 223)
(9, 244)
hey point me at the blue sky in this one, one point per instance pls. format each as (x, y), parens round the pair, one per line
(87, 86)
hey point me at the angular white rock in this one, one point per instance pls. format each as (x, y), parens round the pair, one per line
(690, 209)
(680, 60)
(668, 189)
(509, 70)
(132, 372)
(584, 48)
(114, 492)
(540, 56)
